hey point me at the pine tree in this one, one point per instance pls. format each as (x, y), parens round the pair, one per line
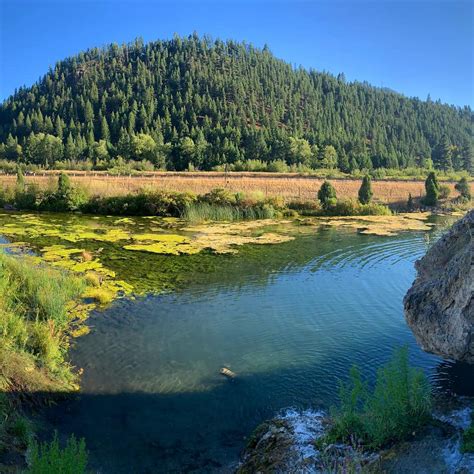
(327, 195)
(432, 190)
(104, 129)
(365, 191)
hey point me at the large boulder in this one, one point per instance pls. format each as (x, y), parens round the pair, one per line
(439, 306)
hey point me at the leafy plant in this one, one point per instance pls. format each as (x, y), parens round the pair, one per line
(49, 458)
(463, 188)
(399, 404)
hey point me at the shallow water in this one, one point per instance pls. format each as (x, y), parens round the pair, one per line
(289, 320)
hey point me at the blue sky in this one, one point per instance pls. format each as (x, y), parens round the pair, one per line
(412, 47)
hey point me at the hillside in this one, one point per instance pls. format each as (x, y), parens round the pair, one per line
(199, 103)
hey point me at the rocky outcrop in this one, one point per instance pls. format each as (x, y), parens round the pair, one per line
(289, 444)
(439, 307)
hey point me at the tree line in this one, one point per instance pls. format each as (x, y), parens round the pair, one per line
(196, 103)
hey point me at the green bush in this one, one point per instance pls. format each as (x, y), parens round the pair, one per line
(444, 191)
(351, 207)
(464, 189)
(399, 404)
(27, 198)
(219, 197)
(157, 203)
(277, 166)
(49, 458)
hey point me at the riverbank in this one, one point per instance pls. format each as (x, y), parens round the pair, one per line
(291, 442)
(288, 186)
(40, 308)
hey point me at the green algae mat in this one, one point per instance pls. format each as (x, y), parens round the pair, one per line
(138, 255)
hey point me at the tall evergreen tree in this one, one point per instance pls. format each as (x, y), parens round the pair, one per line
(365, 191)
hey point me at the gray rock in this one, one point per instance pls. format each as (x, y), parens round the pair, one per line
(439, 306)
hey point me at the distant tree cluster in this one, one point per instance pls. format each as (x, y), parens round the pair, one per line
(195, 103)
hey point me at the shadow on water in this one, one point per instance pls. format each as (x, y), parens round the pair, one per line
(145, 433)
(455, 377)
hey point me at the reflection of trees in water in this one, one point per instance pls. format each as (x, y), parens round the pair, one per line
(455, 377)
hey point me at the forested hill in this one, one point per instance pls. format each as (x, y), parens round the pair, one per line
(199, 103)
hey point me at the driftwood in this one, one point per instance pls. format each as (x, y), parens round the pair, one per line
(228, 373)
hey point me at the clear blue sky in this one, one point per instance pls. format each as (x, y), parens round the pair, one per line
(412, 47)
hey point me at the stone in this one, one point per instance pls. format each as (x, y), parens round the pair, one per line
(439, 306)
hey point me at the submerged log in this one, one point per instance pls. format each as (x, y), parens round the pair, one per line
(228, 373)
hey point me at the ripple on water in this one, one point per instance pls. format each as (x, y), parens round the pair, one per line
(290, 335)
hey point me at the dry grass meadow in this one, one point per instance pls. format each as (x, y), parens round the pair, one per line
(289, 186)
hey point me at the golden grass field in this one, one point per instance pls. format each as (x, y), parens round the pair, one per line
(289, 186)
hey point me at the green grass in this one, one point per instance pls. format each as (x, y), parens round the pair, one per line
(35, 310)
(399, 404)
(203, 211)
(50, 458)
(36, 313)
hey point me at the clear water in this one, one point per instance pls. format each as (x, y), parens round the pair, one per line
(288, 320)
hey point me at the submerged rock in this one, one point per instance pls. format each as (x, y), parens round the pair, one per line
(439, 307)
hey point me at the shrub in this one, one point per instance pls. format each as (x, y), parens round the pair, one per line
(65, 198)
(327, 195)
(157, 203)
(219, 196)
(306, 207)
(351, 207)
(27, 198)
(463, 188)
(277, 166)
(444, 191)
(399, 404)
(49, 458)
(365, 191)
(410, 203)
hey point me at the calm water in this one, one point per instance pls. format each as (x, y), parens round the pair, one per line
(289, 320)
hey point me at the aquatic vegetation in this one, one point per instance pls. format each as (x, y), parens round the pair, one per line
(399, 404)
(173, 246)
(382, 225)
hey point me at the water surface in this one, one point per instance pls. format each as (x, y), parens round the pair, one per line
(290, 320)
